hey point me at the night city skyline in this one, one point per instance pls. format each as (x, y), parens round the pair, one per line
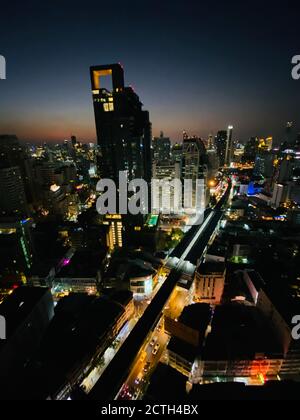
(196, 70)
(149, 204)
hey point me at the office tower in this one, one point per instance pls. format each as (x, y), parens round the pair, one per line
(229, 146)
(16, 243)
(124, 137)
(269, 143)
(265, 145)
(280, 195)
(285, 170)
(176, 152)
(251, 149)
(123, 128)
(13, 201)
(161, 148)
(220, 144)
(11, 152)
(210, 142)
(73, 140)
(289, 133)
(209, 282)
(213, 163)
(194, 166)
(168, 172)
(28, 312)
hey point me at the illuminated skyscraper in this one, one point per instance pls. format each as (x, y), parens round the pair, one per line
(161, 148)
(220, 144)
(229, 146)
(123, 128)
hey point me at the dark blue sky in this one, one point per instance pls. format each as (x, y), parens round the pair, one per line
(196, 65)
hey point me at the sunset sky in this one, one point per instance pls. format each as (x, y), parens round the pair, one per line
(196, 68)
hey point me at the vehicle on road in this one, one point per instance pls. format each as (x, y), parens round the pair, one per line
(156, 348)
(138, 378)
(135, 395)
(153, 341)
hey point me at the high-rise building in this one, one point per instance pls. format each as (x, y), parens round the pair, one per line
(194, 167)
(11, 152)
(73, 140)
(13, 201)
(17, 248)
(124, 137)
(251, 149)
(209, 282)
(229, 146)
(289, 133)
(264, 164)
(169, 172)
(176, 152)
(220, 144)
(286, 169)
(161, 148)
(280, 194)
(123, 127)
(210, 142)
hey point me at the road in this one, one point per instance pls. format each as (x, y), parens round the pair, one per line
(127, 359)
(140, 306)
(138, 378)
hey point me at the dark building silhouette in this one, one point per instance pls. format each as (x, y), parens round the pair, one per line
(229, 146)
(17, 182)
(220, 144)
(123, 128)
(251, 149)
(27, 312)
(289, 134)
(161, 148)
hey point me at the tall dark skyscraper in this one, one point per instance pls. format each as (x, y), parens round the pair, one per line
(13, 178)
(161, 148)
(220, 144)
(229, 146)
(289, 136)
(123, 127)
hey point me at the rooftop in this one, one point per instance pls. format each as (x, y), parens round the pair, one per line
(239, 332)
(211, 267)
